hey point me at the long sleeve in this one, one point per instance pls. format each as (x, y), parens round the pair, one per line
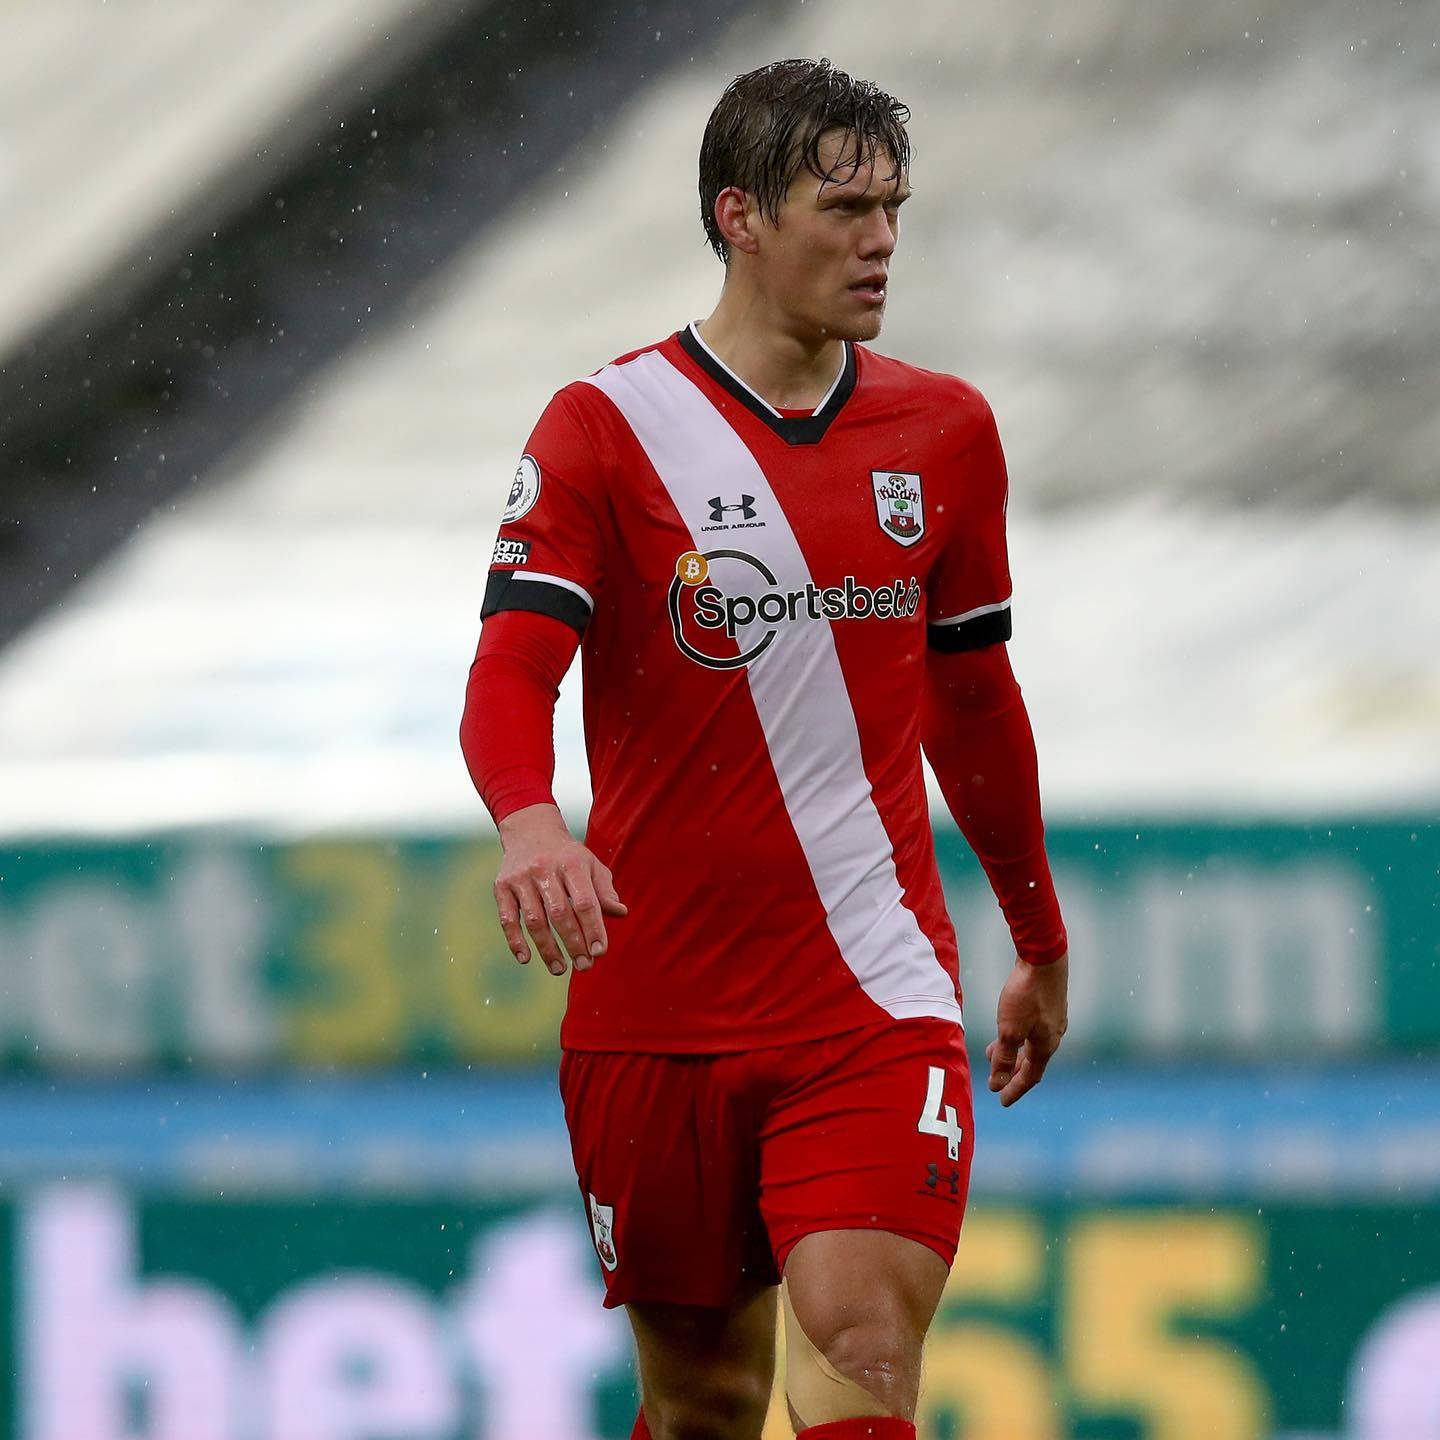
(977, 737)
(507, 732)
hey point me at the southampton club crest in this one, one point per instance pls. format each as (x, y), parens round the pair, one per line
(602, 1222)
(899, 505)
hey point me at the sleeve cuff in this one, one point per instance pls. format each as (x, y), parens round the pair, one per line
(519, 795)
(1056, 950)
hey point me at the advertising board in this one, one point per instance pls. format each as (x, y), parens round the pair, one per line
(210, 952)
(342, 1318)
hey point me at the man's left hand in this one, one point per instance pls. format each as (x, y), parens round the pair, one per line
(1030, 1020)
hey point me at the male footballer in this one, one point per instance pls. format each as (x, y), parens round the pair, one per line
(782, 556)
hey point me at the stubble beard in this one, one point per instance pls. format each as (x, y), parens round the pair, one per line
(861, 329)
(837, 324)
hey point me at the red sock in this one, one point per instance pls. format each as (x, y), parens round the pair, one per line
(641, 1430)
(871, 1427)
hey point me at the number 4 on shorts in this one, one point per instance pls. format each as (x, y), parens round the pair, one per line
(937, 1118)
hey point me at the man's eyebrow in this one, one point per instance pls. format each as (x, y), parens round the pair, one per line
(895, 195)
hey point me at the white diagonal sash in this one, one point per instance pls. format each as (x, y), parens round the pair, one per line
(801, 698)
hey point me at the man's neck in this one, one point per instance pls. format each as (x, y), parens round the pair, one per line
(787, 372)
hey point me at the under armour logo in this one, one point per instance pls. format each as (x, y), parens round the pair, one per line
(934, 1178)
(746, 507)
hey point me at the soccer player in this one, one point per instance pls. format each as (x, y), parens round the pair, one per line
(784, 554)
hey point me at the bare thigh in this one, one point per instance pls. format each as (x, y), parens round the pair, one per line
(706, 1373)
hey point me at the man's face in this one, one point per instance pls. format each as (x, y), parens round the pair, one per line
(825, 266)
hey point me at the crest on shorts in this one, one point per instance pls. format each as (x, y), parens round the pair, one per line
(899, 505)
(602, 1223)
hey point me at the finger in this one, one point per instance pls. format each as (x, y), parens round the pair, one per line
(1022, 1081)
(1041, 1052)
(609, 897)
(532, 907)
(586, 906)
(509, 911)
(1003, 1055)
(561, 914)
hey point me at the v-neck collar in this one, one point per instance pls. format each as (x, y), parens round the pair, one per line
(792, 429)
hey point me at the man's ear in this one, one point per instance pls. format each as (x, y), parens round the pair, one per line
(737, 216)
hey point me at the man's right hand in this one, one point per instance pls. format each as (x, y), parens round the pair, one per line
(557, 886)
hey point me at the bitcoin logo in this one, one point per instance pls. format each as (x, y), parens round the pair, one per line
(692, 568)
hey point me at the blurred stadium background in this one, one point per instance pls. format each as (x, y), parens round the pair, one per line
(282, 289)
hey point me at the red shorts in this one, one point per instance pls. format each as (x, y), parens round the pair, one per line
(700, 1173)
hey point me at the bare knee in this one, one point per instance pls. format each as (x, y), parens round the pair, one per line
(880, 1354)
(705, 1374)
(720, 1405)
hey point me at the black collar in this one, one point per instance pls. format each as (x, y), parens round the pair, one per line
(792, 429)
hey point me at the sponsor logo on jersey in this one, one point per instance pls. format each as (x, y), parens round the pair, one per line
(730, 594)
(743, 509)
(692, 568)
(511, 552)
(602, 1224)
(899, 505)
(524, 490)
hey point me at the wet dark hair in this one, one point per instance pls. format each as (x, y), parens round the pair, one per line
(768, 125)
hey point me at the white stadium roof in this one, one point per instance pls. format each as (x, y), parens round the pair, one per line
(286, 648)
(116, 119)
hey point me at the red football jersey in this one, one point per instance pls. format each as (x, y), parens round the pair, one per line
(755, 593)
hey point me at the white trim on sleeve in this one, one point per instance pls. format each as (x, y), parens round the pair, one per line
(974, 614)
(570, 585)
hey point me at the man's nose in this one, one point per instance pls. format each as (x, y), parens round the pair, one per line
(878, 238)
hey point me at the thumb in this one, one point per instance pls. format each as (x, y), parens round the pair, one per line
(608, 896)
